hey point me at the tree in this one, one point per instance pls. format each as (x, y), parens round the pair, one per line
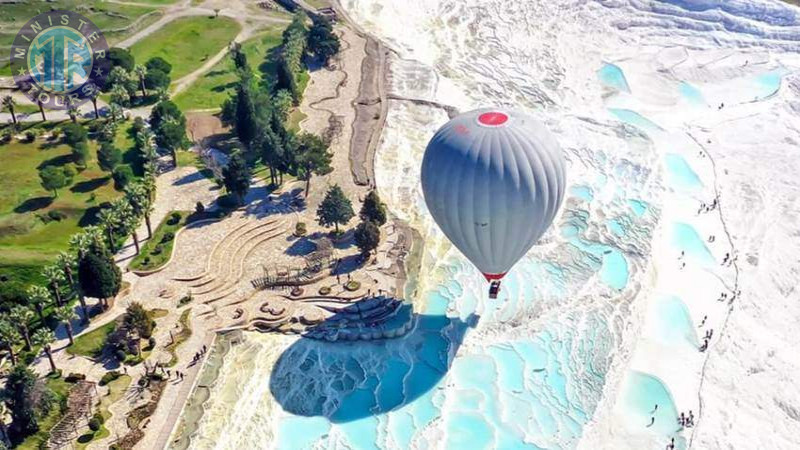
(128, 220)
(74, 133)
(80, 154)
(164, 110)
(157, 79)
(99, 275)
(119, 96)
(21, 316)
(94, 105)
(108, 156)
(54, 178)
(72, 110)
(121, 80)
(10, 103)
(245, 123)
(158, 63)
(283, 103)
(114, 111)
(19, 396)
(238, 56)
(136, 318)
(313, 158)
(109, 222)
(373, 209)
(271, 149)
(41, 108)
(122, 174)
(39, 297)
(66, 315)
(9, 337)
(367, 236)
(140, 72)
(139, 197)
(121, 57)
(146, 143)
(335, 208)
(55, 278)
(236, 177)
(322, 41)
(171, 135)
(44, 337)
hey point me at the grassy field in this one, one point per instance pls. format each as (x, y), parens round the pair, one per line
(25, 237)
(187, 43)
(91, 344)
(147, 259)
(216, 85)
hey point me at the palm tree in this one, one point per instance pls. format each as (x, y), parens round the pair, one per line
(8, 102)
(114, 111)
(94, 103)
(108, 222)
(21, 317)
(72, 111)
(140, 199)
(66, 261)
(41, 109)
(146, 141)
(9, 336)
(45, 337)
(128, 219)
(141, 71)
(39, 297)
(66, 314)
(55, 278)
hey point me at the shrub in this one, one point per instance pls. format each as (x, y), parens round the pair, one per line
(174, 218)
(157, 376)
(227, 201)
(30, 135)
(109, 376)
(155, 251)
(151, 343)
(122, 175)
(185, 299)
(94, 424)
(199, 208)
(132, 360)
(27, 357)
(352, 285)
(324, 290)
(168, 236)
(99, 417)
(146, 259)
(300, 229)
(120, 355)
(56, 215)
(5, 136)
(74, 377)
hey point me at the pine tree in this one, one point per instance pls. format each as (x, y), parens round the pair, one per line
(108, 156)
(335, 208)
(236, 177)
(313, 158)
(367, 236)
(19, 396)
(372, 209)
(99, 276)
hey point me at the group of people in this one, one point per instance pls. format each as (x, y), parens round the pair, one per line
(199, 355)
(728, 260)
(686, 421)
(671, 445)
(708, 208)
(706, 339)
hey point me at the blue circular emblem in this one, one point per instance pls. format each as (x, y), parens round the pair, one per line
(60, 59)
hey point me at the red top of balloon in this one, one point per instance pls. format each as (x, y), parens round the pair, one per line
(492, 119)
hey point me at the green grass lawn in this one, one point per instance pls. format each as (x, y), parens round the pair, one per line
(33, 442)
(187, 42)
(216, 85)
(91, 344)
(295, 117)
(26, 239)
(147, 259)
(180, 337)
(116, 389)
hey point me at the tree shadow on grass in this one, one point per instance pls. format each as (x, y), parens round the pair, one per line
(59, 160)
(347, 381)
(33, 204)
(89, 217)
(90, 185)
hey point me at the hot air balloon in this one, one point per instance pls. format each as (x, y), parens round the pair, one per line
(493, 180)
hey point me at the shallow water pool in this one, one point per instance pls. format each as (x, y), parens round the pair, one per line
(582, 192)
(686, 239)
(641, 393)
(639, 207)
(612, 76)
(691, 93)
(672, 322)
(680, 174)
(635, 119)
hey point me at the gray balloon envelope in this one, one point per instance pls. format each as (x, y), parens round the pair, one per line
(493, 180)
